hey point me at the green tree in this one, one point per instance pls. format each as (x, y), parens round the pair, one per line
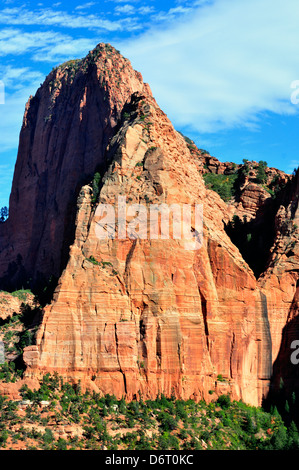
(48, 436)
(3, 437)
(261, 177)
(280, 438)
(168, 422)
(3, 214)
(293, 443)
(245, 167)
(96, 187)
(224, 401)
(221, 184)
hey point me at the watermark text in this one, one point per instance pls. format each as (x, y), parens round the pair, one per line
(155, 221)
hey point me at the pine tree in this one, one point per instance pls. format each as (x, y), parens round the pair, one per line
(261, 177)
(95, 187)
(293, 437)
(3, 214)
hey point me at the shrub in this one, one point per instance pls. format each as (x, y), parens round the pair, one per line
(96, 187)
(261, 176)
(244, 170)
(48, 436)
(168, 422)
(221, 184)
(224, 401)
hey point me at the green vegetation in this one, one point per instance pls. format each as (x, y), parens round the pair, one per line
(253, 238)
(126, 116)
(22, 294)
(9, 373)
(70, 68)
(96, 184)
(261, 177)
(105, 422)
(103, 264)
(245, 168)
(92, 260)
(224, 185)
(275, 187)
(44, 294)
(71, 64)
(18, 332)
(3, 214)
(187, 139)
(220, 378)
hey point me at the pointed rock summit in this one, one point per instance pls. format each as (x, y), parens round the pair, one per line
(66, 128)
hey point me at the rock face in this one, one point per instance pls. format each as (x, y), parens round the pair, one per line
(251, 200)
(66, 128)
(281, 284)
(145, 315)
(150, 315)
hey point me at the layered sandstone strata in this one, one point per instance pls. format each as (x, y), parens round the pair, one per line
(148, 316)
(139, 315)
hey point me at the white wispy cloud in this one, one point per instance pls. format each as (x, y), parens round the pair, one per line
(16, 78)
(16, 42)
(50, 17)
(146, 10)
(68, 49)
(85, 6)
(20, 83)
(212, 64)
(6, 175)
(47, 46)
(124, 1)
(222, 64)
(292, 165)
(125, 9)
(172, 13)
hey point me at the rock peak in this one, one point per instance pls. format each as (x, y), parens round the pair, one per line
(66, 128)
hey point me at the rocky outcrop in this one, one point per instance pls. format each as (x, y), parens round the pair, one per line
(136, 314)
(251, 198)
(12, 390)
(12, 304)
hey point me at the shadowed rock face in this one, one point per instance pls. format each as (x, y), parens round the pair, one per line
(66, 128)
(143, 315)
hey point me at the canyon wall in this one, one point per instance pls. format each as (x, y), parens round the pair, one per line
(140, 315)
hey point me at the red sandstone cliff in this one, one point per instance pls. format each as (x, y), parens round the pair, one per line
(141, 315)
(160, 318)
(66, 128)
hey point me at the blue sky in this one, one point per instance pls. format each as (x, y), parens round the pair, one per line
(221, 69)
